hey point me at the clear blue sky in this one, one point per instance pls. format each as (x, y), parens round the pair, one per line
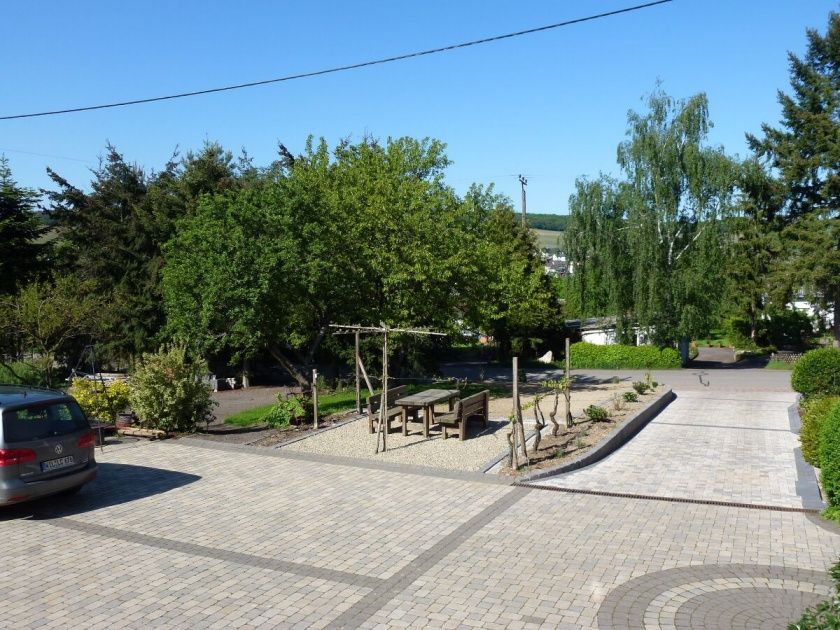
(551, 105)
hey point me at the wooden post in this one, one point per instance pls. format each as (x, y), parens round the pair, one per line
(315, 398)
(567, 394)
(383, 405)
(358, 384)
(513, 436)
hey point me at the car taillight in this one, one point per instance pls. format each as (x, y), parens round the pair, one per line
(15, 456)
(87, 440)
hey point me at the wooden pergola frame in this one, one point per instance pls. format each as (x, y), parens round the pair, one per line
(385, 330)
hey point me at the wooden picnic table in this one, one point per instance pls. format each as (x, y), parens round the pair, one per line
(426, 401)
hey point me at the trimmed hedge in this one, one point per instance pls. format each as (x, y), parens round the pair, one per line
(590, 356)
(817, 373)
(814, 411)
(830, 456)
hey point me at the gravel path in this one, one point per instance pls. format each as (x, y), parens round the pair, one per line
(474, 453)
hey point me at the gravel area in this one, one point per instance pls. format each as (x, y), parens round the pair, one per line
(474, 453)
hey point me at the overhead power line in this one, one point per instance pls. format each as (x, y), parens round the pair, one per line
(364, 64)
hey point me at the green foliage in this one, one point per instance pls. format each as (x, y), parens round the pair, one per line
(641, 387)
(102, 401)
(50, 320)
(21, 255)
(814, 411)
(355, 233)
(21, 373)
(826, 614)
(817, 372)
(168, 390)
(619, 357)
(785, 327)
(114, 234)
(293, 410)
(829, 456)
(596, 413)
(649, 247)
(630, 397)
(803, 151)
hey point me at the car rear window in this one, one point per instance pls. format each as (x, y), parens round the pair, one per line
(42, 421)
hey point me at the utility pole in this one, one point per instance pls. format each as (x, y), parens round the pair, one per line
(523, 182)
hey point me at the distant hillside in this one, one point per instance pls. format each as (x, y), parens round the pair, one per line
(556, 222)
(550, 239)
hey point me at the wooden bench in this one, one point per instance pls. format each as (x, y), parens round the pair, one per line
(470, 407)
(287, 392)
(374, 402)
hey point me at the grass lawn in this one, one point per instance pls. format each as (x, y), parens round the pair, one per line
(346, 400)
(779, 365)
(717, 337)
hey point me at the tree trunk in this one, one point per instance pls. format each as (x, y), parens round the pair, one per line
(287, 365)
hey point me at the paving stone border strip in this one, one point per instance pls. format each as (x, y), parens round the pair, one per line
(225, 555)
(352, 462)
(652, 497)
(687, 593)
(388, 589)
(617, 438)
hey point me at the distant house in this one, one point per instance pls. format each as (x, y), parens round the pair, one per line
(600, 331)
(555, 264)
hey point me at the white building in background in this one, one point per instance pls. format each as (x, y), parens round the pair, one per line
(600, 331)
(815, 313)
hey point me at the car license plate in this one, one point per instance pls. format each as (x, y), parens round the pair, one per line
(53, 464)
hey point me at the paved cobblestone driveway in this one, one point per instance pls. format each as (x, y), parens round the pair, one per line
(193, 534)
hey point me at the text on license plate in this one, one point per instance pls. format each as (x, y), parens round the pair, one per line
(53, 464)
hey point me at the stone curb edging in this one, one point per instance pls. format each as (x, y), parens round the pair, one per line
(619, 436)
(314, 432)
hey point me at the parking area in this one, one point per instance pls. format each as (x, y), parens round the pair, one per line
(195, 534)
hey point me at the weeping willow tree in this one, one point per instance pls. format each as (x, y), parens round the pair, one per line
(648, 249)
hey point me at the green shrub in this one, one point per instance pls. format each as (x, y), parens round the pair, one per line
(829, 456)
(654, 384)
(168, 390)
(640, 386)
(825, 615)
(21, 373)
(630, 397)
(619, 357)
(285, 412)
(100, 400)
(784, 327)
(817, 373)
(737, 331)
(596, 414)
(814, 411)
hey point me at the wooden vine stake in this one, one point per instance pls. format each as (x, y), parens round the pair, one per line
(567, 389)
(358, 384)
(314, 399)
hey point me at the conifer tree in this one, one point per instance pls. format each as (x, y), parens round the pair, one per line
(805, 154)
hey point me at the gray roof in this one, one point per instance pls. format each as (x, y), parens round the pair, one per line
(13, 395)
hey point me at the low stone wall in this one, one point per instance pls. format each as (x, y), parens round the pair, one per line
(615, 440)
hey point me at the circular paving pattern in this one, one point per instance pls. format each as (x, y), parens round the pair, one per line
(715, 596)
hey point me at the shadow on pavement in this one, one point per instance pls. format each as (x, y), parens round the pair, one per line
(114, 485)
(748, 363)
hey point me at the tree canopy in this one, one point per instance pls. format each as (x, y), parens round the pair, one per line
(648, 247)
(804, 152)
